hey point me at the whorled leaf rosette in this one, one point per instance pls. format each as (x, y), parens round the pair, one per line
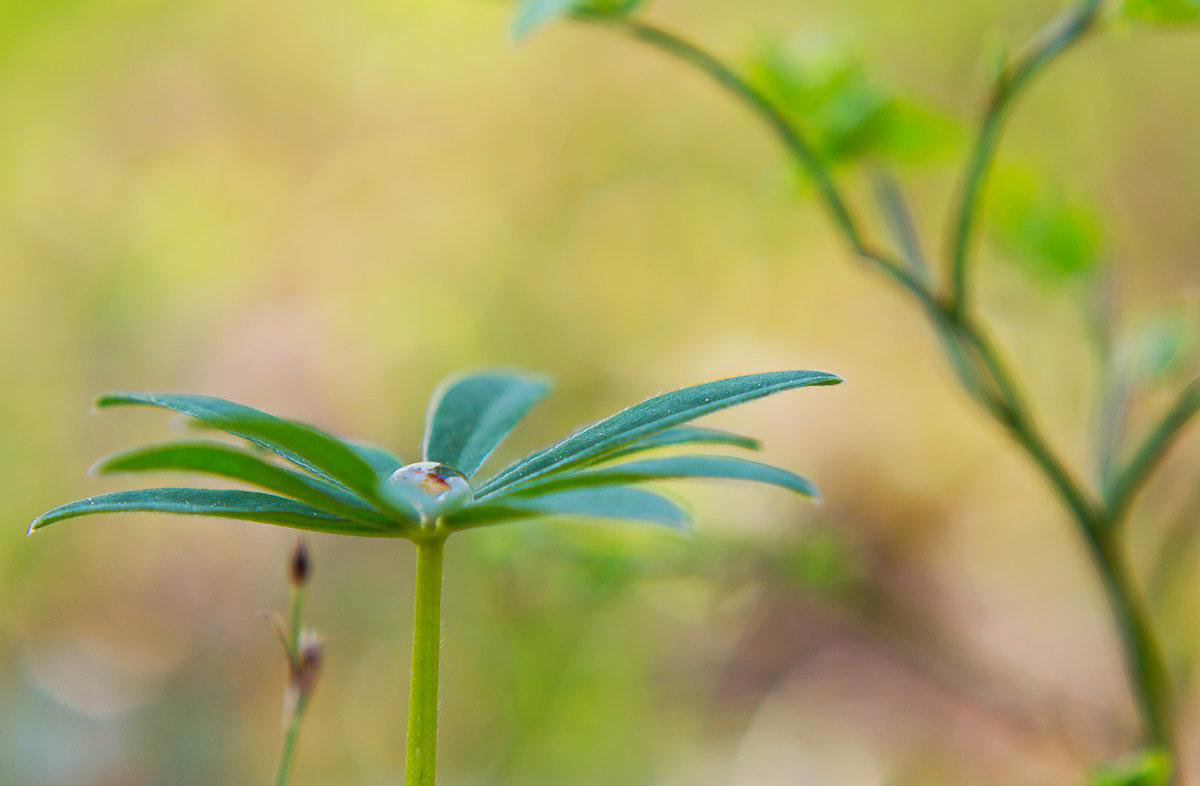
(319, 482)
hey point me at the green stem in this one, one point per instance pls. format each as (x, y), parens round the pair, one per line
(295, 613)
(421, 746)
(984, 373)
(1153, 450)
(295, 702)
(1144, 660)
(288, 752)
(1056, 38)
(797, 145)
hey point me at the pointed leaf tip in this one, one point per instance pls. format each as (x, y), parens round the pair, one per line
(470, 414)
(221, 503)
(668, 468)
(303, 445)
(650, 417)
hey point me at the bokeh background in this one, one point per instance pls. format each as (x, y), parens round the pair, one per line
(322, 208)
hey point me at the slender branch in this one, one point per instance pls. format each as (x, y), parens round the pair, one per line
(791, 138)
(1010, 409)
(971, 351)
(1144, 660)
(1129, 481)
(802, 151)
(1053, 40)
(899, 220)
(421, 745)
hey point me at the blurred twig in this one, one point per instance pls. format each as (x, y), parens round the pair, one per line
(972, 352)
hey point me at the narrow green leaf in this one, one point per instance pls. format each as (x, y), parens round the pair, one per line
(613, 503)
(681, 435)
(471, 414)
(300, 444)
(221, 503)
(383, 461)
(652, 416)
(405, 500)
(227, 461)
(667, 468)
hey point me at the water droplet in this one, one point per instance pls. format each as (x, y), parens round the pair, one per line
(439, 488)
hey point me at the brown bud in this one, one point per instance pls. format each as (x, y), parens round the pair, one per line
(308, 666)
(301, 566)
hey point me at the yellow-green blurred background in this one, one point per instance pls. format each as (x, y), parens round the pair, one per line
(321, 208)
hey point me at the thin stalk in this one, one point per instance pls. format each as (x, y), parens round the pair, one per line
(1127, 483)
(295, 699)
(1144, 659)
(1055, 39)
(291, 731)
(295, 613)
(421, 745)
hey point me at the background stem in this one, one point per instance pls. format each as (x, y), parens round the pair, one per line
(421, 746)
(979, 365)
(1144, 659)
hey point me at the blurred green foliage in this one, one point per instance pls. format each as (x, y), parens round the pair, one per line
(1163, 344)
(820, 82)
(1162, 11)
(1056, 236)
(1151, 768)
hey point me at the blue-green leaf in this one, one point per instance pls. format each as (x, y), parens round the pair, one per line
(227, 461)
(649, 417)
(383, 461)
(532, 14)
(300, 444)
(1162, 343)
(613, 503)
(471, 414)
(681, 435)
(669, 467)
(221, 503)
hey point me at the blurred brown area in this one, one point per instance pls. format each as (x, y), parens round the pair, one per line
(321, 208)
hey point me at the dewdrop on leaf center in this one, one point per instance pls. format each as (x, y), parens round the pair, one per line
(443, 486)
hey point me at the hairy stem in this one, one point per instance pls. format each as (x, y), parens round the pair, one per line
(421, 745)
